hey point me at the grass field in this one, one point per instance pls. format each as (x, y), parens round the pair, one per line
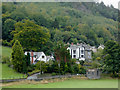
(9, 73)
(6, 51)
(72, 83)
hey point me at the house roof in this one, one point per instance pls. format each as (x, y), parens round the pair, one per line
(87, 47)
(38, 54)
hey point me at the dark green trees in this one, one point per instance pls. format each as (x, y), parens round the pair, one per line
(112, 57)
(17, 57)
(30, 35)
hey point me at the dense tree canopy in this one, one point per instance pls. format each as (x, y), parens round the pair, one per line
(112, 57)
(92, 23)
(31, 36)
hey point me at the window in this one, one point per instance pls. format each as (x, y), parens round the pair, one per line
(74, 56)
(35, 56)
(92, 73)
(82, 51)
(42, 56)
(82, 56)
(74, 51)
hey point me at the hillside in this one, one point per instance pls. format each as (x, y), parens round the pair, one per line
(92, 23)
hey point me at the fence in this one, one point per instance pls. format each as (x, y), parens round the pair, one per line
(38, 79)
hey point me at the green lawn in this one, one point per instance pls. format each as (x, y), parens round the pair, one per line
(6, 51)
(9, 73)
(73, 83)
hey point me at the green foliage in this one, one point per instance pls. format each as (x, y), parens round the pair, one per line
(17, 57)
(91, 23)
(112, 57)
(41, 65)
(31, 36)
(82, 62)
(7, 28)
(98, 55)
(33, 72)
(5, 43)
(61, 53)
(53, 74)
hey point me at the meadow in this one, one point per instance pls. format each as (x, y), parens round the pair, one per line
(71, 83)
(5, 51)
(9, 73)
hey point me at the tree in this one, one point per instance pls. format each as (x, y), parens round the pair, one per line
(55, 23)
(30, 35)
(62, 56)
(18, 57)
(112, 57)
(42, 66)
(61, 52)
(7, 28)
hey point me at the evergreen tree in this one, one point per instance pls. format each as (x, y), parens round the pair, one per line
(18, 57)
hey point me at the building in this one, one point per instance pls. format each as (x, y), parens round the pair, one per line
(93, 73)
(37, 56)
(80, 51)
(101, 47)
(94, 49)
(49, 58)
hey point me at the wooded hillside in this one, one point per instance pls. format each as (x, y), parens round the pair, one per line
(92, 23)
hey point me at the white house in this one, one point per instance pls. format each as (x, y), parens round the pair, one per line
(80, 51)
(37, 56)
(49, 58)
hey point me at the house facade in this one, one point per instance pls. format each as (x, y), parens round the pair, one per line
(80, 51)
(37, 56)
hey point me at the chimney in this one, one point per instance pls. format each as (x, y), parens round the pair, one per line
(32, 57)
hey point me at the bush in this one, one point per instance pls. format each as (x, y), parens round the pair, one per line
(114, 75)
(30, 68)
(5, 43)
(33, 72)
(82, 70)
(5, 59)
(53, 74)
(82, 62)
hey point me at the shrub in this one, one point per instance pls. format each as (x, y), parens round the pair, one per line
(5, 43)
(30, 68)
(82, 70)
(82, 62)
(53, 74)
(33, 72)
(6, 60)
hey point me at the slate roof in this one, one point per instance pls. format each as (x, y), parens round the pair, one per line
(87, 47)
